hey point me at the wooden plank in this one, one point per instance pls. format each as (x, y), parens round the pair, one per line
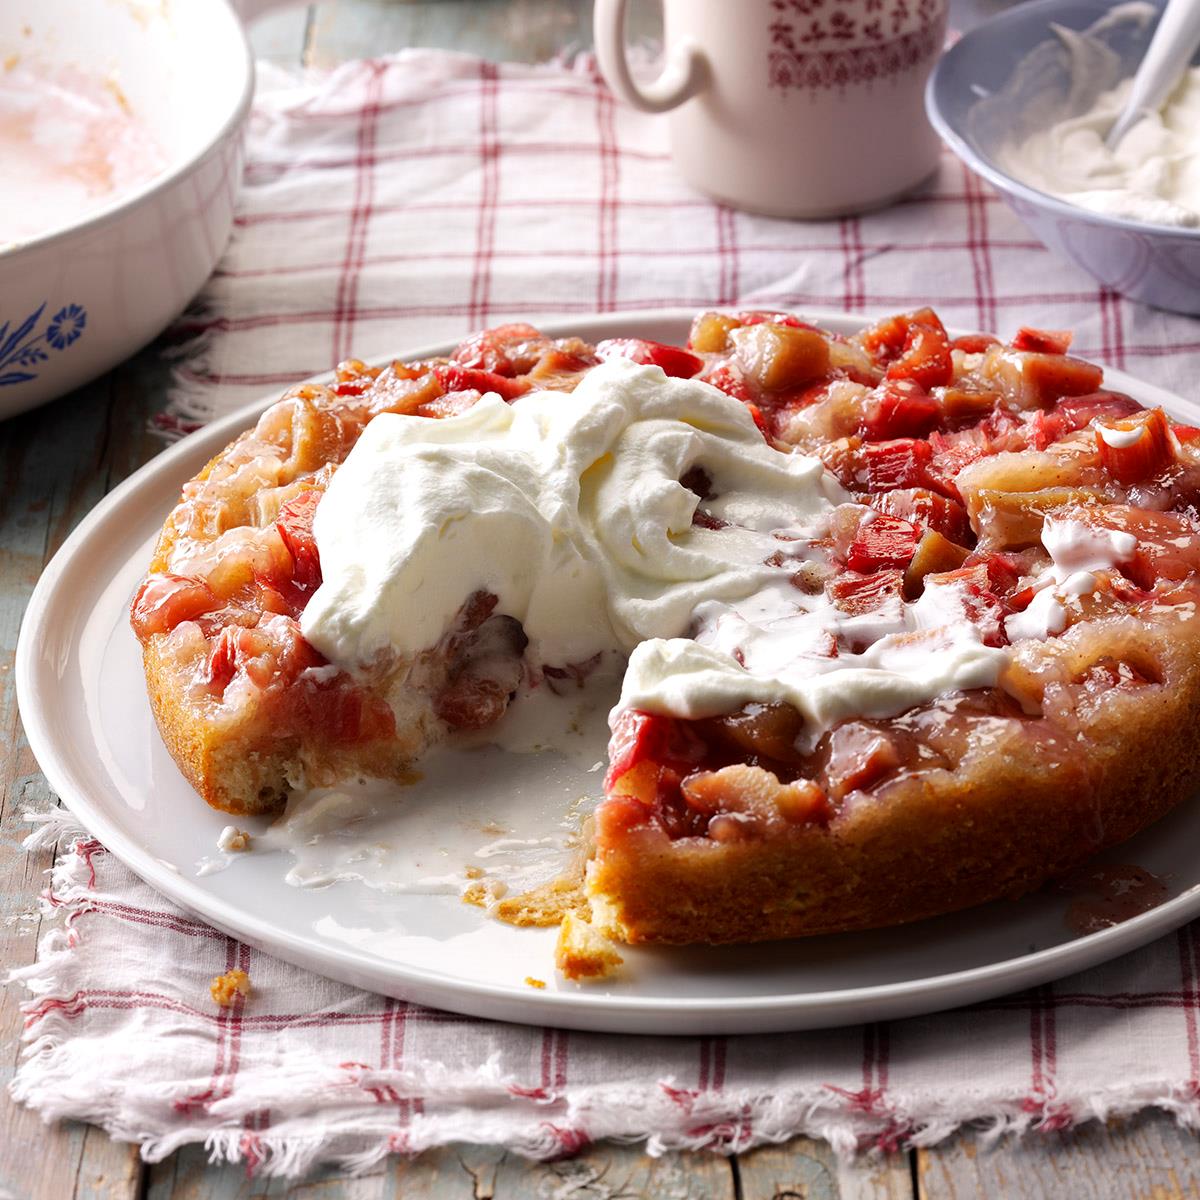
(605, 1172)
(108, 1170)
(54, 466)
(515, 30)
(188, 1175)
(807, 1168)
(1149, 1156)
(278, 36)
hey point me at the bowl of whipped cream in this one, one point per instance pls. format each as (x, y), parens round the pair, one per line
(1026, 99)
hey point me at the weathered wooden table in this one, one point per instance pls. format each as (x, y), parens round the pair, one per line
(57, 462)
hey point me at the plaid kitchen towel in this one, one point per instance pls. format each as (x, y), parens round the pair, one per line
(122, 1031)
(401, 200)
(416, 198)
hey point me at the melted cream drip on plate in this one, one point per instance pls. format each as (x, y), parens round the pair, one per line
(502, 809)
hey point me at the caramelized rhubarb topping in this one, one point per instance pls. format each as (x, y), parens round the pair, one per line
(456, 378)
(778, 358)
(295, 526)
(925, 359)
(858, 757)
(961, 449)
(710, 332)
(926, 510)
(901, 408)
(505, 350)
(934, 554)
(858, 594)
(884, 466)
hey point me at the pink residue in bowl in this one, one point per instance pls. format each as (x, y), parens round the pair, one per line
(70, 145)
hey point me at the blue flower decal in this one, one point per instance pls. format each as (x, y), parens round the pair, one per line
(24, 348)
(67, 325)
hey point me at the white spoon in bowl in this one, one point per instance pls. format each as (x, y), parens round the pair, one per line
(1171, 49)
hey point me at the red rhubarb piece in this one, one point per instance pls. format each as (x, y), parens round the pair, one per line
(1043, 341)
(887, 339)
(673, 360)
(900, 463)
(927, 510)
(640, 737)
(1047, 378)
(859, 756)
(883, 541)
(1075, 412)
(974, 343)
(731, 382)
(900, 408)
(950, 453)
(1144, 458)
(858, 594)
(925, 358)
(493, 349)
(164, 601)
(455, 378)
(295, 526)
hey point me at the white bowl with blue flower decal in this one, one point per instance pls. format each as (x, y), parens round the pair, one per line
(84, 293)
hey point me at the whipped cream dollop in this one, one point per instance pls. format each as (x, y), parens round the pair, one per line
(1151, 175)
(569, 508)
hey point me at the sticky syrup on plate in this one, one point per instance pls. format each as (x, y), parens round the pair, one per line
(1107, 895)
(70, 144)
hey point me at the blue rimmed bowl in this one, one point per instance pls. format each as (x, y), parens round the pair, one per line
(973, 103)
(79, 298)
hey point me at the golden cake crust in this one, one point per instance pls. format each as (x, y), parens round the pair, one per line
(228, 774)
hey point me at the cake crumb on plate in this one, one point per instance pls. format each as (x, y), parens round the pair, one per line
(583, 953)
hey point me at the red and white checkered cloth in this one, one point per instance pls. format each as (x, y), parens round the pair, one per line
(405, 199)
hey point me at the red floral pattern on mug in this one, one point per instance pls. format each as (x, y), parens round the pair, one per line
(818, 44)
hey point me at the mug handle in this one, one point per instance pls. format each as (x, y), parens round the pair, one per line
(683, 74)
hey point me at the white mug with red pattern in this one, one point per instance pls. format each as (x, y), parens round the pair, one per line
(794, 108)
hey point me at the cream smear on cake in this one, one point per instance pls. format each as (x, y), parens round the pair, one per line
(69, 144)
(1077, 551)
(571, 510)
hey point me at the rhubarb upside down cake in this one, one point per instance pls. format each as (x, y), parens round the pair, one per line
(905, 622)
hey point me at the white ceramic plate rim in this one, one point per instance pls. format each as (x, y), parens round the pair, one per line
(577, 1009)
(128, 200)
